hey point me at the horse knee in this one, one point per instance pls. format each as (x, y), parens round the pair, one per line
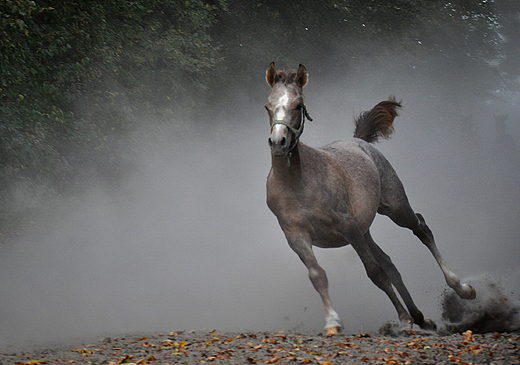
(318, 278)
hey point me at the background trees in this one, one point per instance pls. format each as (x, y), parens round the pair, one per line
(78, 77)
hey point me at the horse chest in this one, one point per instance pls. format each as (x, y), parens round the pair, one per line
(319, 212)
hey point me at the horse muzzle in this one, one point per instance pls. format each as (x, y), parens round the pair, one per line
(280, 141)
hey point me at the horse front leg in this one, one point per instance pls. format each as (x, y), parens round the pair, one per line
(318, 277)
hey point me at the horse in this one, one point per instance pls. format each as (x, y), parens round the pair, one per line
(328, 197)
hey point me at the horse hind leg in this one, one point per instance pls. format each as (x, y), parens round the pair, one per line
(379, 276)
(394, 204)
(395, 277)
(423, 232)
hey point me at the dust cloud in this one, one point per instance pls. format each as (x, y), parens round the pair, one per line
(491, 311)
(189, 243)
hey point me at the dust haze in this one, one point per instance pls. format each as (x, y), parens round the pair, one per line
(189, 243)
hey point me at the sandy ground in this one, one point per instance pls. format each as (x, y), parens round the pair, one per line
(194, 347)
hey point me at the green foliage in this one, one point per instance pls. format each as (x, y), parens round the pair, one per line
(74, 76)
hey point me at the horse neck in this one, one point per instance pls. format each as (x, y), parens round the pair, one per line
(288, 166)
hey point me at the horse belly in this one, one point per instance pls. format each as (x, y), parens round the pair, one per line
(329, 239)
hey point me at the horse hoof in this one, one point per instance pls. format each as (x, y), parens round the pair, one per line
(332, 330)
(465, 295)
(473, 294)
(429, 325)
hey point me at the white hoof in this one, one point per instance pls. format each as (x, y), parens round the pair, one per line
(467, 292)
(332, 330)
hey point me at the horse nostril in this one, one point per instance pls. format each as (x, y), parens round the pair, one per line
(270, 141)
(283, 142)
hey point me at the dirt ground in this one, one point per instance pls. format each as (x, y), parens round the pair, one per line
(195, 347)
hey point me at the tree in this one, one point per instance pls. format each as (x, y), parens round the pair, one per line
(75, 76)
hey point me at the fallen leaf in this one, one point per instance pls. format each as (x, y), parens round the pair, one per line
(391, 361)
(274, 360)
(125, 360)
(82, 351)
(166, 343)
(304, 360)
(468, 335)
(412, 345)
(32, 362)
(476, 349)
(251, 360)
(326, 362)
(454, 359)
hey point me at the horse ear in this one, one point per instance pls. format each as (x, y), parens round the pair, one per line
(270, 75)
(301, 76)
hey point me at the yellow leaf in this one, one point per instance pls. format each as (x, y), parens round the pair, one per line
(32, 362)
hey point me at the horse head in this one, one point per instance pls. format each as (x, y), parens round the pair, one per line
(285, 108)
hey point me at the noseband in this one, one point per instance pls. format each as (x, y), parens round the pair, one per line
(296, 131)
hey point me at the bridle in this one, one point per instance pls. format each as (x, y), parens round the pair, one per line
(297, 132)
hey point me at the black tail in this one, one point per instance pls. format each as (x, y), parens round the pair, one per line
(377, 122)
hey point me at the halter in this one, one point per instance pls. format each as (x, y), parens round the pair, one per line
(296, 131)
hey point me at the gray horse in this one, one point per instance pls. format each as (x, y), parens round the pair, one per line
(329, 196)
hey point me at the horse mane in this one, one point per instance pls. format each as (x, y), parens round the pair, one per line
(377, 122)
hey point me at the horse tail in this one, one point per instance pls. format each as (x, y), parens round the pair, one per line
(377, 122)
